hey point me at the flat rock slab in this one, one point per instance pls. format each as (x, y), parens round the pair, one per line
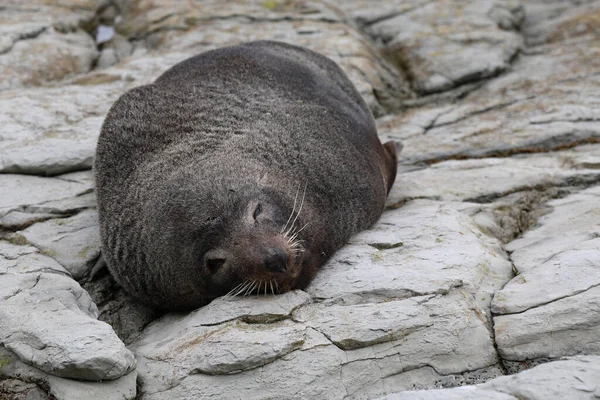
(425, 247)
(572, 378)
(60, 334)
(28, 380)
(443, 44)
(74, 241)
(44, 41)
(551, 308)
(485, 180)
(533, 108)
(20, 191)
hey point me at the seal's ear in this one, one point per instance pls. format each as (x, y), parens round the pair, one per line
(392, 149)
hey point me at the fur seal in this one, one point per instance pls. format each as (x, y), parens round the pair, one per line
(240, 170)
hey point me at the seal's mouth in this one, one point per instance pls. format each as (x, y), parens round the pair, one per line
(262, 281)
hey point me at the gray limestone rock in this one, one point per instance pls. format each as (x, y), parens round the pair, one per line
(60, 335)
(21, 191)
(425, 247)
(487, 179)
(19, 379)
(74, 241)
(571, 378)
(550, 308)
(45, 41)
(443, 44)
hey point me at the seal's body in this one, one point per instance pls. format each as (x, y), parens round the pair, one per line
(241, 168)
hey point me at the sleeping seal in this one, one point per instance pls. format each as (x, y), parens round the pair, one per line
(240, 170)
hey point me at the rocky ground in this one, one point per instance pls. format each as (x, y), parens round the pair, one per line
(480, 281)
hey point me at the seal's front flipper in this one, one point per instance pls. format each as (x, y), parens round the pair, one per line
(390, 167)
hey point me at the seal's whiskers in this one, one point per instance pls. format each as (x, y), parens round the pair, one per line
(236, 289)
(287, 233)
(250, 288)
(293, 209)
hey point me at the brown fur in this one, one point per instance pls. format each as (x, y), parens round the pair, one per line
(205, 176)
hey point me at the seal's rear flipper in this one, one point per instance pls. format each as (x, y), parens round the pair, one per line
(392, 149)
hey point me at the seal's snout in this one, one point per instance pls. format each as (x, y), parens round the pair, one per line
(275, 260)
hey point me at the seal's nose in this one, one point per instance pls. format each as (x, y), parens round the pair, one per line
(276, 260)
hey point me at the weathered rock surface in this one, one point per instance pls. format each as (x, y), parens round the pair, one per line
(43, 41)
(496, 104)
(571, 378)
(552, 307)
(443, 44)
(59, 334)
(21, 381)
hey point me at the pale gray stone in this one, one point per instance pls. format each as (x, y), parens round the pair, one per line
(252, 309)
(16, 220)
(17, 259)
(556, 259)
(20, 191)
(443, 44)
(571, 378)
(56, 388)
(310, 374)
(490, 178)
(363, 325)
(60, 335)
(466, 393)
(46, 55)
(123, 388)
(176, 350)
(576, 378)
(566, 326)
(554, 21)
(74, 241)
(425, 247)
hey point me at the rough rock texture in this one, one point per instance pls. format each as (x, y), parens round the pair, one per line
(442, 44)
(571, 378)
(485, 262)
(42, 41)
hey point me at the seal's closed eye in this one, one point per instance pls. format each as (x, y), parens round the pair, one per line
(257, 211)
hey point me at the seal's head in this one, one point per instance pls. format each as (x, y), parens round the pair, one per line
(263, 252)
(227, 236)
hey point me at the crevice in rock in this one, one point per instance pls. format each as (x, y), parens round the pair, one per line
(522, 213)
(556, 143)
(40, 384)
(494, 107)
(579, 181)
(123, 313)
(442, 98)
(24, 36)
(386, 246)
(514, 367)
(384, 296)
(592, 119)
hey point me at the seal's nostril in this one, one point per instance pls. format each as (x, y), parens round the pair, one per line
(213, 264)
(276, 260)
